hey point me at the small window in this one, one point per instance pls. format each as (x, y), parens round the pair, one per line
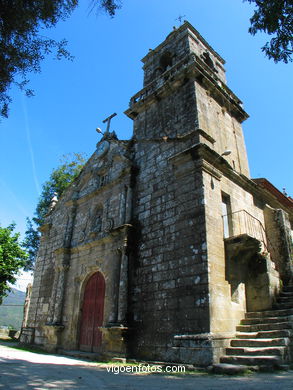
(165, 61)
(207, 59)
(226, 215)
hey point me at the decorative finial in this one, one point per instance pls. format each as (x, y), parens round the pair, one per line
(180, 18)
(53, 202)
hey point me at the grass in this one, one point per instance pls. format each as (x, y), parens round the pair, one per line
(12, 343)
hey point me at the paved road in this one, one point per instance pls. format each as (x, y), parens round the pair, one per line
(21, 370)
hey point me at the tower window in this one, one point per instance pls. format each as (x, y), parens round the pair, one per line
(207, 59)
(166, 61)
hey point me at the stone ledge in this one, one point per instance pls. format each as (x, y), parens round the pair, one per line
(228, 369)
(205, 336)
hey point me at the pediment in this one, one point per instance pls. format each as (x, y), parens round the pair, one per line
(104, 169)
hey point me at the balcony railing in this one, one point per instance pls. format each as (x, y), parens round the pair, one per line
(242, 222)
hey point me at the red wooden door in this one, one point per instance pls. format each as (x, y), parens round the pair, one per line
(92, 314)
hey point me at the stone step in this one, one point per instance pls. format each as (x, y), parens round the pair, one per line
(259, 327)
(285, 300)
(267, 320)
(228, 369)
(260, 342)
(275, 361)
(286, 294)
(269, 313)
(262, 338)
(264, 334)
(288, 288)
(258, 351)
(282, 305)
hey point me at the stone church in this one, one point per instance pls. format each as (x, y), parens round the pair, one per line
(164, 243)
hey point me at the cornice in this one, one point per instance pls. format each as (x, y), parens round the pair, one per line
(186, 28)
(214, 163)
(189, 67)
(110, 236)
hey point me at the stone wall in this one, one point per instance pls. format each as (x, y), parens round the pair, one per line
(86, 232)
(279, 229)
(217, 122)
(169, 274)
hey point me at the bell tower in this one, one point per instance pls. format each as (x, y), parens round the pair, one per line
(187, 137)
(185, 90)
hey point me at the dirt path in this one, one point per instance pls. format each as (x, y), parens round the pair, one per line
(21, 370)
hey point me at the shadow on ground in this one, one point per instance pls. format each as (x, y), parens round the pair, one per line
(20, 370)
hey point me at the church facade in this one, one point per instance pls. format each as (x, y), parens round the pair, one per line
(163, 242)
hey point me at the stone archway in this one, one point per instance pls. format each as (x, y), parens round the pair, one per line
(92, 314)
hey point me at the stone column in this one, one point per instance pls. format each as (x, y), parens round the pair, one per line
(125, 205)
(115, 289)
(53, 297)
(115, 333)
(26, 304)
(62, 269)
(128, 211)
(54, 326)
(123, 287)
(122, 208)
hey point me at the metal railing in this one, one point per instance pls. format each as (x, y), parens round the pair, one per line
(242, 222)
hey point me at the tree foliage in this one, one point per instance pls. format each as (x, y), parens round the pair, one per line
(23, 47)
(274, 17)
(31, 244)
(59, 180)
(12, 258)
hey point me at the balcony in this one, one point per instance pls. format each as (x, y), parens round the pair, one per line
(241, 224)
(248, 255)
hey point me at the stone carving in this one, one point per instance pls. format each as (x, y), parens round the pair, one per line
(53, 202)
(109, 225)
(81, 236)
(97, 225)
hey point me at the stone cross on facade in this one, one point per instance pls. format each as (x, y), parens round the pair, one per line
(108, 121)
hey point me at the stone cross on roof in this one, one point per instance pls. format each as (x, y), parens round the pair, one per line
(180, 18)
(108, 121)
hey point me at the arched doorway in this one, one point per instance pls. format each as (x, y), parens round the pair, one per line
(90, 337)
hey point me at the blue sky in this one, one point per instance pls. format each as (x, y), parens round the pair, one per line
(72, 98)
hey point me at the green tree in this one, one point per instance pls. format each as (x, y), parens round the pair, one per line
(23, 46)
(274, 17)
(12, 258)
(59, 180)
(31, 244)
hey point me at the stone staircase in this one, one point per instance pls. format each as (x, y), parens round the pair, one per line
(265, 338)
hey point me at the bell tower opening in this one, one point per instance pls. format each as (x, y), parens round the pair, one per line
(166, 61)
